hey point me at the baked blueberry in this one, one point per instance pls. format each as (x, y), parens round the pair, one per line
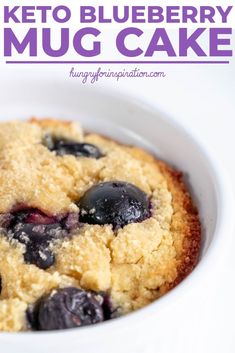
(110, 312)
(67, 308)
(37, 231)
(39, 255)
(115, 202)
(63, 147)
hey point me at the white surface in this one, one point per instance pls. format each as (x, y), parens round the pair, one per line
(202, 98)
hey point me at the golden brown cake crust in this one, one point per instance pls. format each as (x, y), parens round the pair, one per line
(190, 227)
(136, 264)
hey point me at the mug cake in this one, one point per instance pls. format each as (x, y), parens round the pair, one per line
(90, 229)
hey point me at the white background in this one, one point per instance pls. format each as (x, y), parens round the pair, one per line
(202, 98)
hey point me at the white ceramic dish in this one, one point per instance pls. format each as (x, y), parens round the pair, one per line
(135, 123)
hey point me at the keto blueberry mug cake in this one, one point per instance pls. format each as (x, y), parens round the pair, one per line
(90, 229)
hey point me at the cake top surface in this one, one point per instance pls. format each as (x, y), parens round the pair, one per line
(136, 263)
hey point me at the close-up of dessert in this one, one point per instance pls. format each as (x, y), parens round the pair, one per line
(90, 229)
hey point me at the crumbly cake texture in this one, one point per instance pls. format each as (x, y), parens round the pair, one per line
(136, 264)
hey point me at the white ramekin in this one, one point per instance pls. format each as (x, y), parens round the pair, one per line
(131, 121)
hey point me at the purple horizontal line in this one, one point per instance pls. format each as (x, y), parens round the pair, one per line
(117, 62)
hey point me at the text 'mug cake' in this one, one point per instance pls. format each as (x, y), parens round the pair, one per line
(90, 229)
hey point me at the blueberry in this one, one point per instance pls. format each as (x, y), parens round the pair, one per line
(39, 255)
(37, 240)
(110, 312)
(37, 231)
(63, 147)
(67, 308)
(115, 202)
